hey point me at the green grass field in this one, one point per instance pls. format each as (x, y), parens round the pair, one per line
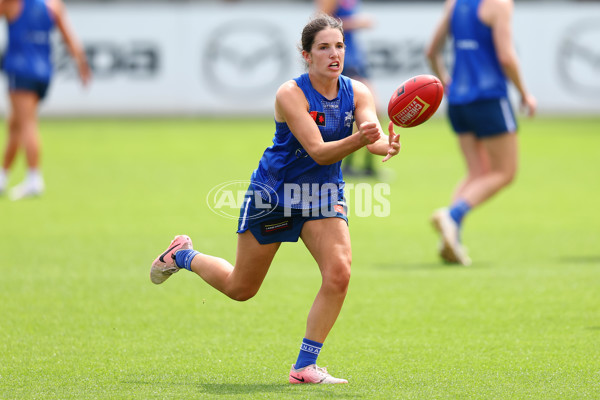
(79, 318)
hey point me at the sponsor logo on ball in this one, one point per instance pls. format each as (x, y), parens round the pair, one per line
(409, 114)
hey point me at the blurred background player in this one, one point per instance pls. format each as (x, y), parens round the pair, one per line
(28, 67)
(355, 66)
(478, 106)
(314, 118)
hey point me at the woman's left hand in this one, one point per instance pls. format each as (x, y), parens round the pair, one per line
(394, 140)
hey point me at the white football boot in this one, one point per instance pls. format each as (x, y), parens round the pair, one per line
(450, 248)
(3, 182)
(30, 187)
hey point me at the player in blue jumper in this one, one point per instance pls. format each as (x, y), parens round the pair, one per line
(28, 67)
(299, 182)
(478, 107)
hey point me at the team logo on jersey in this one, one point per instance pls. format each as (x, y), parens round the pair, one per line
(348, 119)
(318, 117)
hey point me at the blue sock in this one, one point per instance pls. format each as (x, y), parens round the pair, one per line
(183, 258)
(309, 351)
(459, 210)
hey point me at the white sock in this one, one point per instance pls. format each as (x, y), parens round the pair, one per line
(3, 180)
(33, 174)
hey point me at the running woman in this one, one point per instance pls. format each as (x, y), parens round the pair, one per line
(314, 116)
(479, 108)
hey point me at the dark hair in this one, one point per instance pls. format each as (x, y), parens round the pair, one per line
(316, 24)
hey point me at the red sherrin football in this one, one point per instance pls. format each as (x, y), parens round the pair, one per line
(415, 101)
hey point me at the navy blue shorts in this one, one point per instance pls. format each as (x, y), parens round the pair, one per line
(484, 118)
(274, 224)
(23, 83)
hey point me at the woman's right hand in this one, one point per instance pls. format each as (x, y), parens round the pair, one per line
(529, 104)
(369, 132)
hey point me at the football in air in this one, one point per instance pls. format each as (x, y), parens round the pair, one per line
(415, 101)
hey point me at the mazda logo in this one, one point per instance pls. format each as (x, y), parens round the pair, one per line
(578, 58)
(246, 59)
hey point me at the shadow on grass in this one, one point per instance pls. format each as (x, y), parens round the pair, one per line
(249, 389)
(579, 260)
(265, 390)
(441, 265)
(409, 266)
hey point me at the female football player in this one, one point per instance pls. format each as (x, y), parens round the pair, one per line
(28, 67)
(314, 115)
(479, 108)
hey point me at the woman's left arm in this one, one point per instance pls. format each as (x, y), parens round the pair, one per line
(75, 49)
(365, 111)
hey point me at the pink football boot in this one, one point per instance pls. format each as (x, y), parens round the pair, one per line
(164, 265)
(313, 374)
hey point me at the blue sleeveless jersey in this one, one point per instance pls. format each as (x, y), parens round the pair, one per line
(28, 52)
(287, 169)
(354, 58)
(477, 74)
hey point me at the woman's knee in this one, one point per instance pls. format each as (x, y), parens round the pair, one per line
(507, 175)
(13, 127)
(510, 177)
(477, 173)
(336, 277)
(242, 293)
